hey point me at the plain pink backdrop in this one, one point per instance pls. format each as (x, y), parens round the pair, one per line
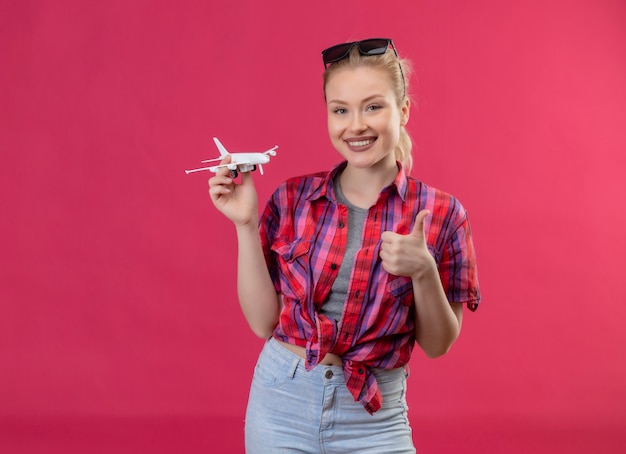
(119, 325)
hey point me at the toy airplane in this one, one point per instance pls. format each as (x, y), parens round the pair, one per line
(239, 162)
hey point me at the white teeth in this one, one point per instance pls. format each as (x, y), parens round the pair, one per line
(361, 143)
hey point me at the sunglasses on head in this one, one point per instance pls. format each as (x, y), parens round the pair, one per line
(366, 47)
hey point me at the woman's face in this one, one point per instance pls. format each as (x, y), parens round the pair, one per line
(363, 116)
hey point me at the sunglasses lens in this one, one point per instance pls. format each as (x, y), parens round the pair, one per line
(335, 53)
(373, 46)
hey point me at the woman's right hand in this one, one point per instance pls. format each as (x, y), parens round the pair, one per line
(238, 202)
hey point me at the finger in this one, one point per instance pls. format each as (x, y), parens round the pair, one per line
(220, 179)
(418, 227)
(387, 236)
(224, 170)
(383, 257)
(246, 179)
(219, 190)
(245, 176)
(220, 185)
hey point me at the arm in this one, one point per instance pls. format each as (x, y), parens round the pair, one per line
(258, 299)
(238, 202)
(437, 321)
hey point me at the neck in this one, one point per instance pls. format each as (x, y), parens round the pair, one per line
(363, 186)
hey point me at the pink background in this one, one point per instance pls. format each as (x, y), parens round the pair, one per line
(119, 325)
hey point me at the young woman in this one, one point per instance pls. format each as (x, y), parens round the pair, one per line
(346, 270)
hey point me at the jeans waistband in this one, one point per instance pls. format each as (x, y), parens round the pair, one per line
(281, 355)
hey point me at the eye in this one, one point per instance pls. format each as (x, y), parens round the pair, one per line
(373, 107)
(339, 110)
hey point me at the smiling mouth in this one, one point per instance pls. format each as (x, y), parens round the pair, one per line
(360, 143)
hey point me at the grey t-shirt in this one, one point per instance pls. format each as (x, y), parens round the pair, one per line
(334, 304)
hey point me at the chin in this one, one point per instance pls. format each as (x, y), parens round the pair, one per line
(362, 163)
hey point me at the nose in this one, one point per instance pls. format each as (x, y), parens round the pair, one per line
(357, 123)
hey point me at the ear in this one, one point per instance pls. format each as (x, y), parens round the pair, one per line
(405, 112)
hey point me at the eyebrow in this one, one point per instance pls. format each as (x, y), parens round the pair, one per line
(369, 98)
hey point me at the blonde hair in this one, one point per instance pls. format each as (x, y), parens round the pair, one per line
(399, 71)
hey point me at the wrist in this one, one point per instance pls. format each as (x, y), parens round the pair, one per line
(426, 273)
(247, 226)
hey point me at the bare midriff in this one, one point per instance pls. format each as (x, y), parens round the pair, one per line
(329, 360)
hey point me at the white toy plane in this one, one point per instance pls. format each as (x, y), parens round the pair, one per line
(239, 162)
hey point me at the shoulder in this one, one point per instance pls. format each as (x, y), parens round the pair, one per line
(442, 204)
(302, 186)
(307, 179)
(293, 197)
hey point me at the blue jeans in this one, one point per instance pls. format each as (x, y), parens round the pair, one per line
(291, 410)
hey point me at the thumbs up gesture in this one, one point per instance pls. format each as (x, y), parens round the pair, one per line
(407, 255)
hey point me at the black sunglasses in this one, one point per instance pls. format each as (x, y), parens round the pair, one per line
(367, 47)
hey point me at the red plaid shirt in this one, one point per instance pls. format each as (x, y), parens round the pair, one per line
(304, 233)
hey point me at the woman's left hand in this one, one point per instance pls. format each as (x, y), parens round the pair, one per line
(407, 255)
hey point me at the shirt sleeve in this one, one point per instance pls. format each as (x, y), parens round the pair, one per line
(268, 228)
(457, 267)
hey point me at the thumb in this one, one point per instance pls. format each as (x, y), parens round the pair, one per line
(418, 227)
(246, 178)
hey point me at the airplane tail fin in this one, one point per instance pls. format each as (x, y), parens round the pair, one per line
(223, 151)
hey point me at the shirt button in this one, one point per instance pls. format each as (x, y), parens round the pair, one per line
(328, 374)
(361, 370)
(341, 225)
(333, 266)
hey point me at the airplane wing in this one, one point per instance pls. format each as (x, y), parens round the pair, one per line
(231, 166)
(234, 164)
(213, 169)
(198, 170)
(244, 166)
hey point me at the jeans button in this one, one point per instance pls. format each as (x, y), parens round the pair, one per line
(328, 374)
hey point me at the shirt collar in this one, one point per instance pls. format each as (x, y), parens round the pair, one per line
(325, 187)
